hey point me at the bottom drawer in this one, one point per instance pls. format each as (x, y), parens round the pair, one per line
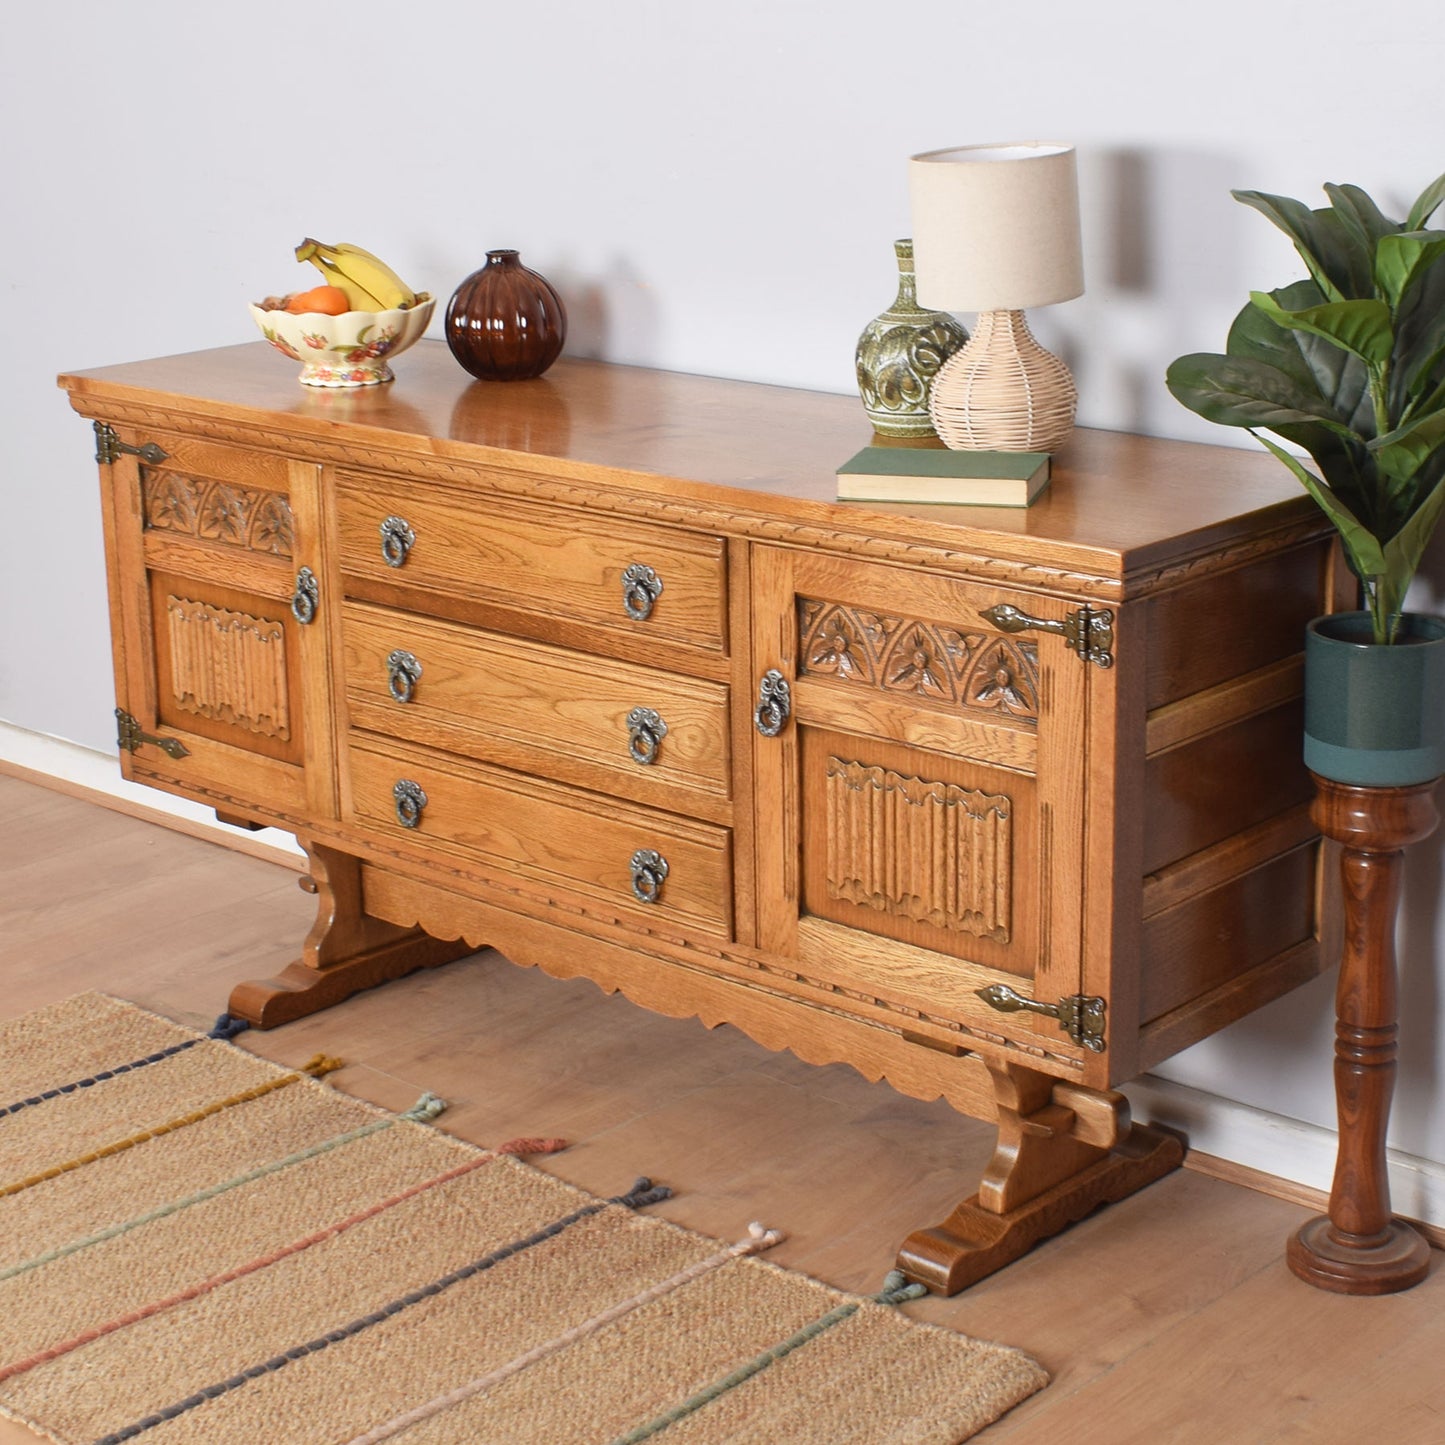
(651, 865)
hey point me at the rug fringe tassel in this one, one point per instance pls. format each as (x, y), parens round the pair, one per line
(899, 1289)
(532, 1146)
(227, 1026)
(322, 1064)
(642, 1193)
(426, 1108)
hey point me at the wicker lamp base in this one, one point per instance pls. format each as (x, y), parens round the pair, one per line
(1003, 392)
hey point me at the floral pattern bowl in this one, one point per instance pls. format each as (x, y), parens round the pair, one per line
(353, 349)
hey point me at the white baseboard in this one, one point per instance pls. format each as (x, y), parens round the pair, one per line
(1283, 1148)
(1265, 1143)
(89, 771)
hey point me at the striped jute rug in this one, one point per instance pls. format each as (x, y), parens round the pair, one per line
(199, 1246)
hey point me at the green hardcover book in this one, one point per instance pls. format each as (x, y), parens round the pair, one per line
(929, 474)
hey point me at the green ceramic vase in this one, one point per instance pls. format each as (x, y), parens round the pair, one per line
(1374, 714)
(899, 354)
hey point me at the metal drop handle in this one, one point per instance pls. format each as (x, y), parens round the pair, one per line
(775, 704)
(306, 598)
(397, 540)
(645, 732)
(641, 587)
(649, 870)
(403, 672)
(410, 800)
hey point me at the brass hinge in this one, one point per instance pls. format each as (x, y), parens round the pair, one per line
(1081, 1016)
(109, 447)
(1087, 631)
(131, 738)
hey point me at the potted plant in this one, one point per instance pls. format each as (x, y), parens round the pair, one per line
(1348, 365)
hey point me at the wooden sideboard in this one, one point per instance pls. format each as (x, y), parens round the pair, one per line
(1000, 806)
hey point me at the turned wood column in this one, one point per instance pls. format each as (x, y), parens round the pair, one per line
(1359, 1248)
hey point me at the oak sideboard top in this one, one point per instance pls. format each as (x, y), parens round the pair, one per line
(1120, 508)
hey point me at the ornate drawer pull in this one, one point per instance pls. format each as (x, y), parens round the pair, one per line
(645, 732)
(641, 587)
(649, 869)
(306, 598)
(410, 800)
(775, 704)
(402, 674)
(397, 540)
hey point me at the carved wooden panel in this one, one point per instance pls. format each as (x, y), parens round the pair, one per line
(228, 666)
(259, 521)
(921, 660)
(933, 852)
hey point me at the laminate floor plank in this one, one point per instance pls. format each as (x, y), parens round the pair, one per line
(1169, 1317)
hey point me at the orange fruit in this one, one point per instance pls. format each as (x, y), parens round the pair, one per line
(325, 300)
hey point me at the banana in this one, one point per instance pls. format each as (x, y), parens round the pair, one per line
(370, 284)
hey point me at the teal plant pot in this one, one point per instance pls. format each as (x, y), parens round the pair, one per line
(1375, 715)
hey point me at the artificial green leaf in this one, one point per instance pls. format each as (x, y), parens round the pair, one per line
(1431, 401)
(1419, 361)
(1237, 391)
(1425, 207)
(1360, 215)
(1340, 378)
(1401, 259)
(1400, 454)
(1362, 327)
(1367, 558)
(1338, 262)
(1402, 553)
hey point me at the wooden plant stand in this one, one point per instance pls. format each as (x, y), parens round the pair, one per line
(1359, 1248)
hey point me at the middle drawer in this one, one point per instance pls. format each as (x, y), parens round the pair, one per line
(596, 722)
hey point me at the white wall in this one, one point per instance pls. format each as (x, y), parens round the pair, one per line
(714, 189)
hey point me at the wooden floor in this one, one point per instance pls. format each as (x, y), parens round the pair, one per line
(1169, 1317)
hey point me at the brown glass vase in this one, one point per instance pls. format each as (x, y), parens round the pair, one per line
(504, 322)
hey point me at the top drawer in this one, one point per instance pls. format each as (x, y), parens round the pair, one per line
(622, 575)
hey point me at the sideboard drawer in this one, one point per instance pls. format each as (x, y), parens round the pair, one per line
(658, 869)
(596, 722)
(655, 582)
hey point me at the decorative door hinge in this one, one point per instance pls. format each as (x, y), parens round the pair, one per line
(108, 447)
(130, 737)
(1081, 1016)
(1087, 631)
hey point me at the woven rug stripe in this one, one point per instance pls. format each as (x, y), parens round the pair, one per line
(225, 1028)
(75, 1037)
(426, 1108)
(895, 1291)
(642, 1193)
(275, 1256)
(758, 1240)
(316, 1068)
(643, 1365)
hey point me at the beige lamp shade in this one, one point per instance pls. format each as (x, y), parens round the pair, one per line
(996, 227)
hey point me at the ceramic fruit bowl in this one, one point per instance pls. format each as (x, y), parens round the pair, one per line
(352, 349)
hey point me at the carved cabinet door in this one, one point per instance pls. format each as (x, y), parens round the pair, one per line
(218, 624)
(921, 796)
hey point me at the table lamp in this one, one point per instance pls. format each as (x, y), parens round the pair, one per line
(995, 230)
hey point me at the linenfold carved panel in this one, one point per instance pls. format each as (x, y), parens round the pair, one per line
(259, 521)
(933, 852)
(228, 666)
(979, 671)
